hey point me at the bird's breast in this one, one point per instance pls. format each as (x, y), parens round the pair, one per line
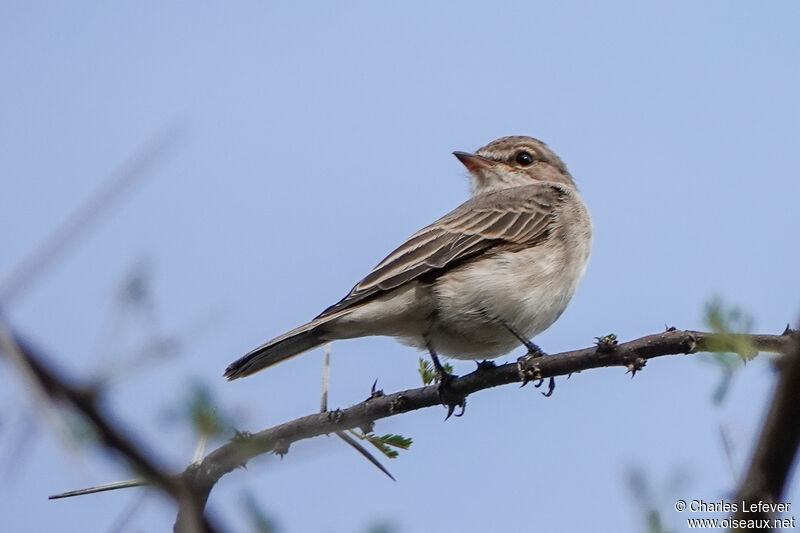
(527, 289)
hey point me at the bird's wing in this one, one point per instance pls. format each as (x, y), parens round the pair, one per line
(521, 216)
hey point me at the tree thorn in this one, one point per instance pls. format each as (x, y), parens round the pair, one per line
(691, 344)
(485, 365)
(281, 448)
(334, 416)
(373, 393)
(635, 366)
(239, 435)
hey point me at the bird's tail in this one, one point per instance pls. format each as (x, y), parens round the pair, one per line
(288, 345)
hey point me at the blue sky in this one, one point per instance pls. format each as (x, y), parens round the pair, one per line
(317, 136)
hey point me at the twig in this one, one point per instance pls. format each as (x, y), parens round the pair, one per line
(84, 401)
(326, 374)
(100, 488)
(9, 346)
(633, 355)
(363, 451)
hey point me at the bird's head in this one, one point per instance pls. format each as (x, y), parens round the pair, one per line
(513, 162)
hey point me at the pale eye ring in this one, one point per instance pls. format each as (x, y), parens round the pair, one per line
(523, 158)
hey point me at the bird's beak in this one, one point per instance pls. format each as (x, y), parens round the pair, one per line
(473, 162)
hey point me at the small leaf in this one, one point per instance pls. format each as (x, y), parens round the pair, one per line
(730, 346)
(398, 441)
(729, 323)
(426, 371)
(384, 449)
(385, 443)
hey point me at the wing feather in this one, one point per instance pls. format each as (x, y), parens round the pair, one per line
(521, 216)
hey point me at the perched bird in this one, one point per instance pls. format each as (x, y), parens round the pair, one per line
(478, 282)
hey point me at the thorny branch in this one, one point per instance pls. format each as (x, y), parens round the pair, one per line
(634, 354)
(192, 487)
(59, 390)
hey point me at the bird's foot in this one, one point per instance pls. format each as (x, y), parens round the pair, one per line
(449, 397)
(551, 386)
(529, 371)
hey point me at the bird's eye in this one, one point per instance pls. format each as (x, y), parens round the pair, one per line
(524, 158)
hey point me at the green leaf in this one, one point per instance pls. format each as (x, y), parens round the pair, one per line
(729, 323)
(730, 346)
(427, 372)
(385, 443)
(398, 441)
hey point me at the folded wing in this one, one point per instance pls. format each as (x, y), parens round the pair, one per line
(521, 216)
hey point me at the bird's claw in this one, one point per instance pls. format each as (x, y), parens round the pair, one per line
(528, 370)
(449, 397)
(551, 386)
(452, 407)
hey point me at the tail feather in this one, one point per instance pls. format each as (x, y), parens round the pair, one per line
(288, 345)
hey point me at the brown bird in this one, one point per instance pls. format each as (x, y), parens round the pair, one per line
(489, 275)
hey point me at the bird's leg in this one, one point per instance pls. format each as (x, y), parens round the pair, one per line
(533, 350)
(440, 371)
(449, 397)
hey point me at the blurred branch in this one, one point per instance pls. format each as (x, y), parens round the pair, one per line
(49, 384)
(777, 446)
(634, 354)
(84, 401)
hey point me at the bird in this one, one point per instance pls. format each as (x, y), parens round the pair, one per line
(475, 284)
